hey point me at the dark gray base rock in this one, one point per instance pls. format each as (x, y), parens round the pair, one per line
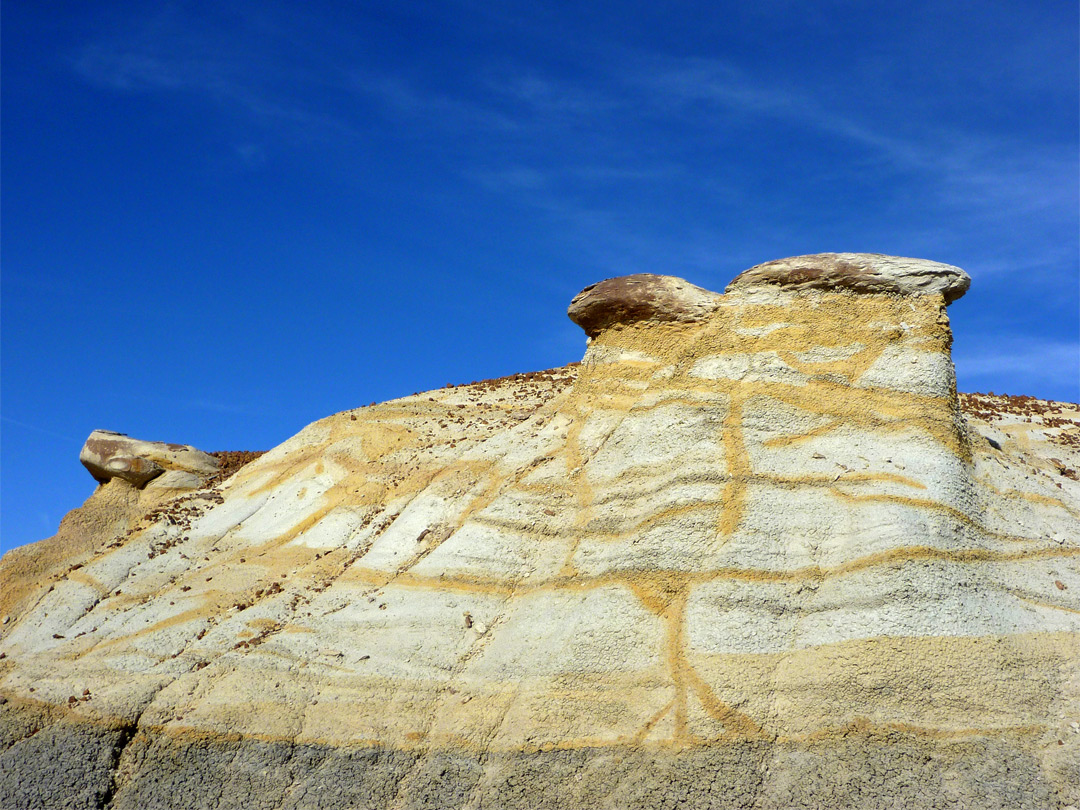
(64, 766)
(78, 765)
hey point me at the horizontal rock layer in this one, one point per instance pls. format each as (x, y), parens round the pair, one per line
(851, 772)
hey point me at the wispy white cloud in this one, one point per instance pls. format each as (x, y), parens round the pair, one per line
(439, 110)
(978, 183)
(694, 85)
(970, 174)
(557, 141)
(108, 66)
(170, 51)
(971, 168)
(549, 101)
(1012, 178)
(165, 50)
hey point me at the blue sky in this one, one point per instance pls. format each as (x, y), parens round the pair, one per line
(222, 221)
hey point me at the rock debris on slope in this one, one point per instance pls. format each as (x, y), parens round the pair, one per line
(752, 552)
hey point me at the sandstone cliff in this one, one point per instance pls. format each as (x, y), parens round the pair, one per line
(754, 551)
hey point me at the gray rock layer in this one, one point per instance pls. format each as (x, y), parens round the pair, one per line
(858, 272)
(69, 766)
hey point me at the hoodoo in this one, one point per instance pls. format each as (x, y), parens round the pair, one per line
(752, 552)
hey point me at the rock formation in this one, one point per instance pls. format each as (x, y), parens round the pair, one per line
(107, 455)
(858, 272)
(640, 297)
(749, 553)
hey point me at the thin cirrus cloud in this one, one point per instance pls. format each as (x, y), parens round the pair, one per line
(162, 54)
(165, 55)
(446, 112)
(525, 108)
(973, 170)
(972, 174)
(979, 183)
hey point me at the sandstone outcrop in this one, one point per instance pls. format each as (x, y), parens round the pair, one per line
(758, 557)
(108, 455)
(872, 273)
(640, 297)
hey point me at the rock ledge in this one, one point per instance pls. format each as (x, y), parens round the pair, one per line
(857, 272)
(107, 455)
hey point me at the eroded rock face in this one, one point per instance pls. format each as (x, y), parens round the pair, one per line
(639, 297)
(857, 272)
(757, 557)
(108, 455)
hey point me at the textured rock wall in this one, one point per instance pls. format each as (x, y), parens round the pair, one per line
(751, 558)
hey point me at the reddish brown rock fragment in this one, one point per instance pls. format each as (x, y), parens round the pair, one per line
(640, 297)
